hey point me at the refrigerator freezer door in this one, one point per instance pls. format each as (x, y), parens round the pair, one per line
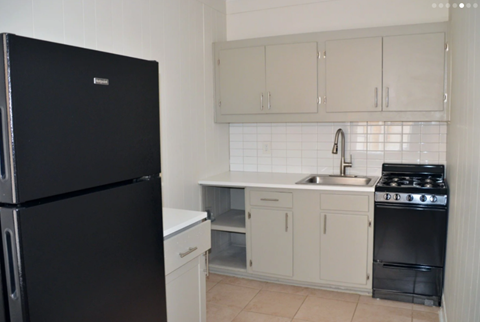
(65, 129)
(94, 257)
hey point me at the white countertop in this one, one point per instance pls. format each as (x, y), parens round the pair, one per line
(274, 180)
(176, 219)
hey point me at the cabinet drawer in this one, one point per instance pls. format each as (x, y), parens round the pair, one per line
(356, 203)
(187, 245)
(271, 199)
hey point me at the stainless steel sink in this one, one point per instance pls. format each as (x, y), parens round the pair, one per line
(325, 179)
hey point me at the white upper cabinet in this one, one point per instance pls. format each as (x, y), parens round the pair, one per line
(395, 73)
(413, 72)
(354, 75)
(292, 78)
(242, 79)
(268, 79)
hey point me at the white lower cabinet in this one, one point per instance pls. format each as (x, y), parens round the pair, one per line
(186, 292)
(185, 273)
(344, 248)
(319, 237)
(271, 241)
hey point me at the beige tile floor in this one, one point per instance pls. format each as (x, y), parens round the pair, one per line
(232, 299)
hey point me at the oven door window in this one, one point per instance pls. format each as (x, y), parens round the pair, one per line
(410, 235)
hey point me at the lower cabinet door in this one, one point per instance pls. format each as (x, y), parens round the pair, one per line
(271, 240)
(343, 248)
(186, 292)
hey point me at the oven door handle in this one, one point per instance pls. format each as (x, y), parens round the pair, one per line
(414, 207)
(407, 267)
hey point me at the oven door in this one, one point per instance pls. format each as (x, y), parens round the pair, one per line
(410, 234)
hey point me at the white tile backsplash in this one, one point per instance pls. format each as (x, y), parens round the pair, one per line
(307, 147)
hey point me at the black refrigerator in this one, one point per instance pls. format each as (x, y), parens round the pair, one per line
(80, 190)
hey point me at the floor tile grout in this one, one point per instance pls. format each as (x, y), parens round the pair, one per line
(296, 312)
(292, 291)
(356, 306)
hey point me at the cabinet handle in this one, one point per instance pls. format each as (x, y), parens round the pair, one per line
(189, 251)
(269, 105)
(387, 99)
(286, 222)
(324, 224)
(376, 96)
(207, 262)
(269, 199)
(261, 102)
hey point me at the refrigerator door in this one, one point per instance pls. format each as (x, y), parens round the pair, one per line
(93, 257)
(3, 304)
(64, 129)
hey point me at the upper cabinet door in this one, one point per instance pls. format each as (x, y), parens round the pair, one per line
(413, 72)
(354, 75)
(242, 81)
(292, 78)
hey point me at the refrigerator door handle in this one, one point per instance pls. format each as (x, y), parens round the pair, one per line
(13, 287)
(12, 282)
(3, 140)
(7, 182)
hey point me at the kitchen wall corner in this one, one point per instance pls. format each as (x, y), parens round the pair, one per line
(462, 274)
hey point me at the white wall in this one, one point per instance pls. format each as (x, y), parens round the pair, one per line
(462, 287)
(307, 147)
(176, 33)
(262, 18)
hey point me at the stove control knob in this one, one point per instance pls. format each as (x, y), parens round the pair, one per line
(387, 196)
(433, 198)
(397, 197)
(409, 198)
(423, 198)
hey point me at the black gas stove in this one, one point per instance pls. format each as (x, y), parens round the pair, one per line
(412, 184)
(410, 232)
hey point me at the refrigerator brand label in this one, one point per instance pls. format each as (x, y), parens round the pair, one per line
(100, 81)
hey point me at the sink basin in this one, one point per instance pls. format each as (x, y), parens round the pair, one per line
(325, 179)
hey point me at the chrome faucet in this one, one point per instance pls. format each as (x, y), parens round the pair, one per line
(343, 163)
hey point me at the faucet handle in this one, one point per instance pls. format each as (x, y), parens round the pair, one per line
(349, 163)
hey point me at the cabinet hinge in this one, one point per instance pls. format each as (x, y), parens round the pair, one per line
(369, 223)
(368, 277)
(251, 263)
(249, 215)
(218, 62)
(446, 46)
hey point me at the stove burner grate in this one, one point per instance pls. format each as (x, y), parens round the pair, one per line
(412, 182)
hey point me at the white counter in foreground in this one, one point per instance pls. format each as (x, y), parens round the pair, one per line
(186, 239)
(274, 180)
(177, 219)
